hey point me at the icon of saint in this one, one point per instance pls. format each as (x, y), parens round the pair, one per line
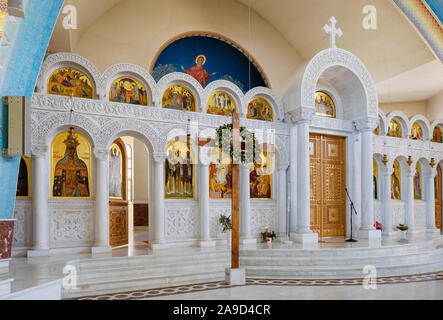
(198, 71)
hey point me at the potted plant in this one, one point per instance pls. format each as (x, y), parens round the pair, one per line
(268, 236)
(226, 224)
(403, 230)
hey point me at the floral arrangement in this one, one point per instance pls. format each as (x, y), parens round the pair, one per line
(226, 223)
(246, 137)
(402, 227)
(268, 234)
(378, 226)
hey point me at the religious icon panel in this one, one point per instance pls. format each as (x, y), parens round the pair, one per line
(23, 182)
(221, 103)
(260, 178)
(179, 171)
(377, 130)
(416, 132)
(128, 90)
(395, 129)
(260, 109)
(70, 82)
(396, 182)
(437, 135)
(220, 176)
(324, 105)
(418, 182)
(70, 166)
(116, 161)
(179, 98)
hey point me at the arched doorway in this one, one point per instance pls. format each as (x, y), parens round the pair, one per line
(128, 192)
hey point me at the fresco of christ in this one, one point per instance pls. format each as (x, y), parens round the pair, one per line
(198, 71)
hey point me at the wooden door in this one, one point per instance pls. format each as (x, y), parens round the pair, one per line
(438, 185)
(118, 204)
(328, 183)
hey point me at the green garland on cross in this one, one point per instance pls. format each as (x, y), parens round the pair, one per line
(226, 144)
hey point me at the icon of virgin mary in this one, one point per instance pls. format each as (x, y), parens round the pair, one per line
(198, 71)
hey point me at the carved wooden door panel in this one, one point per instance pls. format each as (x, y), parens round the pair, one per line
(118, 223)
(438, 198)
(328, 183)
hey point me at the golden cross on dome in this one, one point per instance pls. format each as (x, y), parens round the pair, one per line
(332, 31)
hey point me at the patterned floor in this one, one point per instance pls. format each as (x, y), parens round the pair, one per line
(150, 293)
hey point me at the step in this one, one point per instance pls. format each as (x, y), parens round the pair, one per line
(125, 284)
(338, 272)
(342, 260)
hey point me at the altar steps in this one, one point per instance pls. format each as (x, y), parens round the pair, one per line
(110, 275)
(342, 263)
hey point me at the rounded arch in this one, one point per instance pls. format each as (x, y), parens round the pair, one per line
(268, 95)
(402, 119)
(67, 59)
(130, 70)
(184, 80)
(328, 64)
(437, 123)
(128, 127)
(228, 87)
(45, 131)
(334, 95)
(424, 124)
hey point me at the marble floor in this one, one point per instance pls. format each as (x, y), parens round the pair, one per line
(29, 272)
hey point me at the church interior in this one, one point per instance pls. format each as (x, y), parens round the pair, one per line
(202, 149)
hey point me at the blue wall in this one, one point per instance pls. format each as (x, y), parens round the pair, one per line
(21, 62)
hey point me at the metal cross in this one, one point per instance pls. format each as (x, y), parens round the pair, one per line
(332, 31)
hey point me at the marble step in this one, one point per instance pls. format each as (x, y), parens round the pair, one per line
(338, 272)
(139, 282)
(339, 260)
(97, 263)
(152, 270)
(366, 252)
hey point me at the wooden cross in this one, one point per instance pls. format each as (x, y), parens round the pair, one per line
(332, 31)
(235, 216)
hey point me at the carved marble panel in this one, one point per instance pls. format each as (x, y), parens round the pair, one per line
(181, 221)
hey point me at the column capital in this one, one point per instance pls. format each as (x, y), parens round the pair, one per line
(302, 115)
(39, 150)
(159, 156)
(101, 154)
(245, 166)
(366, 124)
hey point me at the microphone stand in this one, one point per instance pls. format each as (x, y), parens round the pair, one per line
(352, 212)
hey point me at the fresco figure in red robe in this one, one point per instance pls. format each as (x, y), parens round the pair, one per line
(198, 71)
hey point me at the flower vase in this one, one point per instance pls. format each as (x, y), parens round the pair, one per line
(268, 242)
(228, 238)
(403, 234)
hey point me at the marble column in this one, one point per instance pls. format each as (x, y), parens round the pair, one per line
(282, 198)
(245, 206)
(158, 238)
(303, 233)
(293, 180)
(205, 237)
(40, 196)
(101, 202)
(367, 229)
(388, 229)
(430, 201)
(410, 202)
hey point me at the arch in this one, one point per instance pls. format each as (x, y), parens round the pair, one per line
(130, 70)
(301, 93)
(44, 132)
(183, 79)
(402, 119)
(437, 124)
(225, 86)
(424, 124)
(66, 59)
(268, 95)
(382, 122)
